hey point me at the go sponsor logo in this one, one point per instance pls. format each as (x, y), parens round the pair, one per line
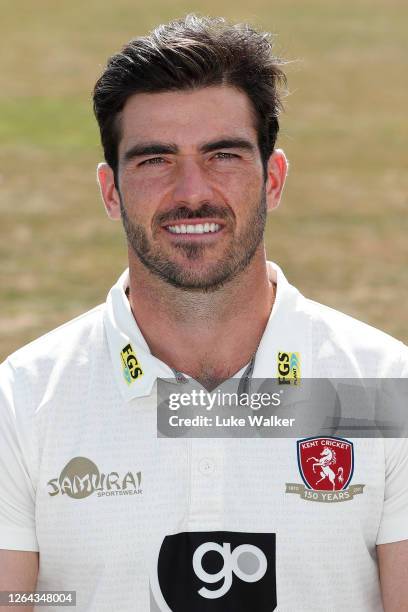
(216, 571)
(230, 566)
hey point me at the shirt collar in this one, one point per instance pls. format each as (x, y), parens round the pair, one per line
(289, 329)
(136, 369)
(128, 347)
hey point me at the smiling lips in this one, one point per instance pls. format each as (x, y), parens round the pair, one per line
(196, 228)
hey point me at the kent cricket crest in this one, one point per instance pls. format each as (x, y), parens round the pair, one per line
(326, 465)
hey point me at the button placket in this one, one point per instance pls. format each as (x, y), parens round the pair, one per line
(206, 484)
(206, 466)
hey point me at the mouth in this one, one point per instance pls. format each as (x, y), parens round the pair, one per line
(194, 228)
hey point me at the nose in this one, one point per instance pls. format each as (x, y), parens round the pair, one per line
(192, 185)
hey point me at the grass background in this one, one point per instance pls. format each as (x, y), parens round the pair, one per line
(340, 234)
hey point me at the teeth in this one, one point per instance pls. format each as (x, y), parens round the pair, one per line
(200, 228)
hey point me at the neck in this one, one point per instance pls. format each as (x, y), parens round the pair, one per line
(209, 336)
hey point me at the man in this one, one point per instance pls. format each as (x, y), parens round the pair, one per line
(92, 500)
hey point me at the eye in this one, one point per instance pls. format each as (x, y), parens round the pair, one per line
(152, 161)
(224, 155)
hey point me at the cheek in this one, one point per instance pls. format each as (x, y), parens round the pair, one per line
(141, 198)
(244, 194)
(139, 188)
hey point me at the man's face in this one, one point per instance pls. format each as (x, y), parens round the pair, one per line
(190, 184)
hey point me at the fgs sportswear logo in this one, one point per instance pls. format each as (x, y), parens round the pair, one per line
(288, 368)
(132, 369)
(215, 571)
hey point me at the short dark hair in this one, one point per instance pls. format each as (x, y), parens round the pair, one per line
(191, 53)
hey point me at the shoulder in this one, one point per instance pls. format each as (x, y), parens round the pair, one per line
(60, 350)
(338, 338)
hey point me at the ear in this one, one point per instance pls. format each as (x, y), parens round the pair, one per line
(109, 193)
(277, 170)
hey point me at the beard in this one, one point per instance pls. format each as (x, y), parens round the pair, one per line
(235, 259)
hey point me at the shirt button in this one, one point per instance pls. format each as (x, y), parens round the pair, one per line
(206, 466)
(180, 378)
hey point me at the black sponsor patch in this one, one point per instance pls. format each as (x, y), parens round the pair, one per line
(218, 571)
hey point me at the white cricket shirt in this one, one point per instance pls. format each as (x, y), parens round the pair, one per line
(137, 523)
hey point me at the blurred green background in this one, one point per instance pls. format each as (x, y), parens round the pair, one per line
(340, 234)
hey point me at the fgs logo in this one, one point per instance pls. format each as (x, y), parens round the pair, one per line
(131, 367)
(288, 368)
(217, 571)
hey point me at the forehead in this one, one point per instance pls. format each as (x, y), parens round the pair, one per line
(187, 118)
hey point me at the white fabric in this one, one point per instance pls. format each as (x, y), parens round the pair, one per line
(64, 396)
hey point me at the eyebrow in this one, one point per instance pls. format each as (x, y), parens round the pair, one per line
(162, 148)
(227, 143)
(149, 148)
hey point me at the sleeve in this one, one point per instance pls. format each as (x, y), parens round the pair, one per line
(17, 493)
(394, 520)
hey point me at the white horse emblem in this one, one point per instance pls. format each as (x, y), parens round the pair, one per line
(327, 459)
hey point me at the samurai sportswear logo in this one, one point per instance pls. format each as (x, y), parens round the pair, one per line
(326, 466)
(288, 368)
(214, 571)
(131, 367)
(81, 478)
